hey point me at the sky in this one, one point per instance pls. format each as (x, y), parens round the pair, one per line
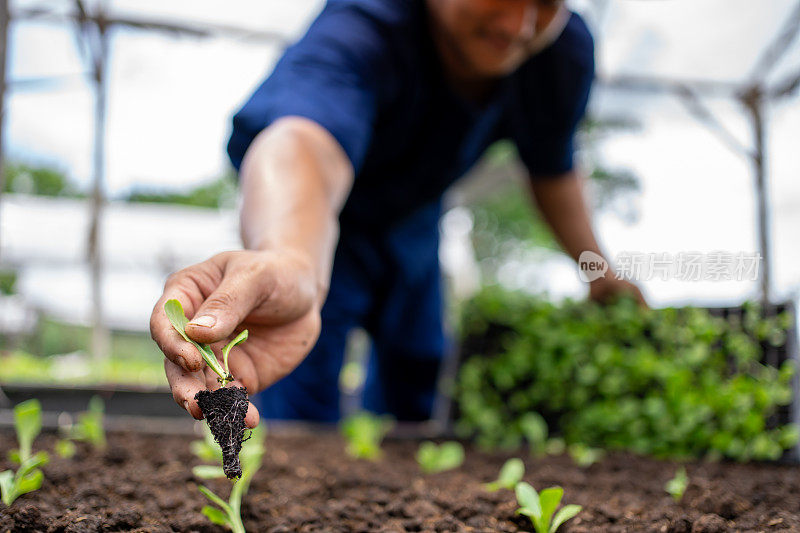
(171, 99)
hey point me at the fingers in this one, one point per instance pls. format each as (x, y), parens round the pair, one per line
(241, 289)
(184, 386)
(182, 287)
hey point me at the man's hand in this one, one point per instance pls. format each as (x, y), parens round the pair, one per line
(274, 295)
(606, 289)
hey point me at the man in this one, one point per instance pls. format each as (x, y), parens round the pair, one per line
(343, 155)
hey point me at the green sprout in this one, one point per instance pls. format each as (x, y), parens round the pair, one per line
(89, 427)
(178, 319)
(509, 476)
(228, 514)
(28, 477)
(676, 486)
(364, 432)
(584, 455)
(539, 507)
(534, 429)
(65, 448)
(433, 458)
(207, 449)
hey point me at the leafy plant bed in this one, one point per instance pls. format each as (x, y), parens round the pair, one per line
(309, 483)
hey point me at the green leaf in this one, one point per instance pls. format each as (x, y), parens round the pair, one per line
(178, 319)
(28, 424)
(433, 458)
(205, 491)
(676, 486)
(30, 482)
(7, 487)
(65, 448)
(510, 474)
(208, 472)
(241, 337)
(528, 499)
(37, 460)
(566, 512)
(451, 455)
(549, 499)
(534, 428)
(14, 456)
(215, 515)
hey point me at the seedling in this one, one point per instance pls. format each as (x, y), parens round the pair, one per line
(510, 475)
(676, 486)
(178, 319)
(539, 507)
(225, 408)
(433, 458)
(207, 449)
(584, 455)
(364, 433)
(228, 513)
(534, 429)
(65, 448)
(28, 477)
(89, 427)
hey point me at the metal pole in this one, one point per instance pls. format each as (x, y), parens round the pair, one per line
(753, 100)
(4, 16)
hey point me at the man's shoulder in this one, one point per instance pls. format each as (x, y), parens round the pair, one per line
(575, 42)
(370, 34)
(385, 20)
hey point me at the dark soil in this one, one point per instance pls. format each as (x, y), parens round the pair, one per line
(308, 484)
(224, 409)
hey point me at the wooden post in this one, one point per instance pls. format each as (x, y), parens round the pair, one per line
(101, 338)
(4, 17)
(753, 100)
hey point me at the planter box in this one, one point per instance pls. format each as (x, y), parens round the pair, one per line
(119, 400)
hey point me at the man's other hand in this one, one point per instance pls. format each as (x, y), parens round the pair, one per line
(605, 289)
(274, 295)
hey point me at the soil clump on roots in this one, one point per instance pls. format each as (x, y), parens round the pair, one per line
(224, 410)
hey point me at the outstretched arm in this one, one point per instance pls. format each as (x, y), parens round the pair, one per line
(294, 178)
(561, 201)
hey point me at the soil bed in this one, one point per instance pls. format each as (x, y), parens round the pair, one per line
(307, 483)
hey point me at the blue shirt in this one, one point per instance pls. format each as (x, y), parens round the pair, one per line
(367, 71)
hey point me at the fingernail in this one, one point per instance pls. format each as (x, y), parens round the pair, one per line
(206, 321)
(186, 405)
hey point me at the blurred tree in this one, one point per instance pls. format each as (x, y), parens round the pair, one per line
(41, 181)
(220, 192)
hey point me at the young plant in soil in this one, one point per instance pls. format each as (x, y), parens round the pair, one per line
(509, 476)
(225, 408)
(228, 513)
(539, 507)
(676, 486)
(364, 433)
(433, 458)
(28, 477)
(89, 428)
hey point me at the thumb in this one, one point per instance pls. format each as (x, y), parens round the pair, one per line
(223, 310)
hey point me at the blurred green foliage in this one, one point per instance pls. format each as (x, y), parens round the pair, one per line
(667, 382)
(8, 281)
(42, 181)
(53, 337)
(80, 369)
(218, 193)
